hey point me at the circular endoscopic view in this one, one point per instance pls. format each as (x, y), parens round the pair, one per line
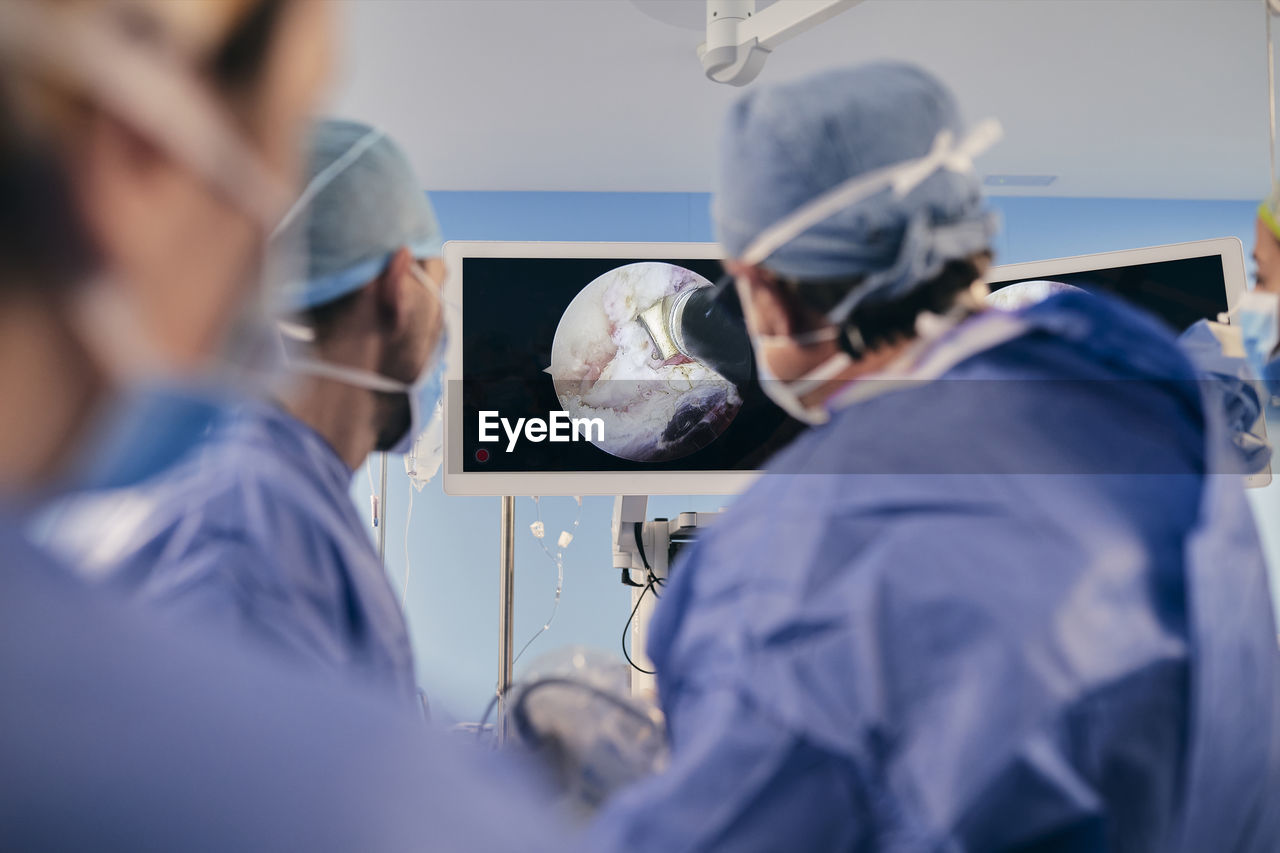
(609, 362)
(1023, 294)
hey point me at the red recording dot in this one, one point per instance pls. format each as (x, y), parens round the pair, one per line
(482, 455)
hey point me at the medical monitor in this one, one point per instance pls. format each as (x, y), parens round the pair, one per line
(1179, 283)
(551, 332)
(554, 387)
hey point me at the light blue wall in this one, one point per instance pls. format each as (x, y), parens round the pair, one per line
(453, 542)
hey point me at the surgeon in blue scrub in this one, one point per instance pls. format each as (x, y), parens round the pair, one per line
(257, 532)
(1005, 593)
(147, 148)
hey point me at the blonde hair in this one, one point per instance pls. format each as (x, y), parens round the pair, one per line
(1269, 212)
(43, 111)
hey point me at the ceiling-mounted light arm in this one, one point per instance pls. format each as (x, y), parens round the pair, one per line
(1272, 9)
(739, 38)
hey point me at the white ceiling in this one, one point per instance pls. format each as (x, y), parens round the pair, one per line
(1119, 98)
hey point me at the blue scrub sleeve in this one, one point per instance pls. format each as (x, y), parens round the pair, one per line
(977, 677)
(740, 782)
(126, 733)
(207, 583)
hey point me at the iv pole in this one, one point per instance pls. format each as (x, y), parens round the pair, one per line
(506, 608)
(382, 515)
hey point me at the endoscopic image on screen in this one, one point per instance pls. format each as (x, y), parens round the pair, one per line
(609, 363)
(591, 348)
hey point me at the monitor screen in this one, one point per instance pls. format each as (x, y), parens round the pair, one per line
(562, 378)
(562, 374)
(1179, 284)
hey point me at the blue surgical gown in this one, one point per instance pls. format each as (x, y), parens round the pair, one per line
(1012, 608)
(123, 728)
(257, 533)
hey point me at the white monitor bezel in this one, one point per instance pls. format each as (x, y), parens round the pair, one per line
(478, 483)
(1228, 249)
(481, 483)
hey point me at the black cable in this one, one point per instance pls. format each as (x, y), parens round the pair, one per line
(638, 528)
(626, 629)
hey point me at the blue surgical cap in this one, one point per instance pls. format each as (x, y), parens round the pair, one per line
(783, 146)
(361, 204)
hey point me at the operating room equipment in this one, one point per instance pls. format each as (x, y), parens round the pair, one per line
(538, 529)
(696, 324)
(1180, 284)
(656, 320)
(603, 372)
(573, 710)
(1271, 10)
(421, 464)
(574, 714)
(510, 298)
(506, 601)
(506, 610)
(424, 459)
(646, 549)
(740, 37)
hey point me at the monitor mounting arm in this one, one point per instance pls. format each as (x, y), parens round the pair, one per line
(739, 38)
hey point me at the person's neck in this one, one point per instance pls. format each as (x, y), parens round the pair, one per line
(49, 386)
(342, 415)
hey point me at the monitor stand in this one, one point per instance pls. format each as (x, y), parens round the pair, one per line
(643, 551)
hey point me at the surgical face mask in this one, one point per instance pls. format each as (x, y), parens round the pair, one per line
(1257, 316)
(788, 394)
(423, 393)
